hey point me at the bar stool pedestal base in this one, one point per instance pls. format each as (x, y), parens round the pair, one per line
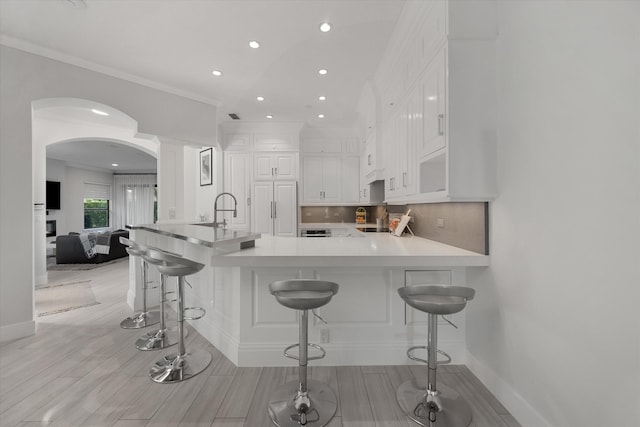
(173, 367)
(141, 320)
(454, 410)
(156, 340)
(323, 405)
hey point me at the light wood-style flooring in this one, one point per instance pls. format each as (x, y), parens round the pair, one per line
(82, 369)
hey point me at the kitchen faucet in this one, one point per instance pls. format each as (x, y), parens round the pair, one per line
(216, 210)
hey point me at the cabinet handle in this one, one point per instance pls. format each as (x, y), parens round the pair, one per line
(404, 179)
(369, 160)
(248, 201)
(276, 169)
(440, 124)
(271, 209)
(275, 212)
(272, 172)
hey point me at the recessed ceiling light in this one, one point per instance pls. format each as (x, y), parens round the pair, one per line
(254, 44)
(99, 112)
(216, 73)
(321, 116)
(260, 98)
(322, 71)
(115, 165)
(269, 116)
(322, 98)
(325, 27)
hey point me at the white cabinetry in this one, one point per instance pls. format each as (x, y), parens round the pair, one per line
(275, 208)
(237, 181)
(321, 179)
(438, 104)
(275, 165)
(351, 179)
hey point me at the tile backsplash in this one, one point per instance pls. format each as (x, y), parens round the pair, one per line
(460, 224)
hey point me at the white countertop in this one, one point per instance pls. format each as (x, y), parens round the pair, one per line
(200, 234)
(369, 250)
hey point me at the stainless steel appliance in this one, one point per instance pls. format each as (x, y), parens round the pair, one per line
(315, 232)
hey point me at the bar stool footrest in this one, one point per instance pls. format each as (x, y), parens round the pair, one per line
(297, 357)
(200, 309)
(424, 347)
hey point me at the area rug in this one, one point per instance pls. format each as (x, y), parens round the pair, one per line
(52, 266)
(64, 297)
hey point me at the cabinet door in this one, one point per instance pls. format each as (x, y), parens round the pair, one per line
(351, 179)
(389, 141)
(402, 153)
(285, 208)
(331, 179)
(262, 212)
(433, 97)
(312, 179)
(263, 165)
(237, 179)
(285, 166)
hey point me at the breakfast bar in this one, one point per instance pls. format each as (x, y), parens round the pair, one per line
(367, 323)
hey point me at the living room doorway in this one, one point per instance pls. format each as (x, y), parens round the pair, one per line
(90, 143)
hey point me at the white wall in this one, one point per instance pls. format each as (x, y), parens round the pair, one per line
(26, 78)
(554, 330)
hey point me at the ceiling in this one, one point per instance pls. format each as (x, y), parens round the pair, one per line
(100, 154)
(175, 44)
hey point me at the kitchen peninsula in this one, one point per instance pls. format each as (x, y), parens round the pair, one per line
(367, 322)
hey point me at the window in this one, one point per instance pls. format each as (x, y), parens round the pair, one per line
(96, 213)
(96, 205)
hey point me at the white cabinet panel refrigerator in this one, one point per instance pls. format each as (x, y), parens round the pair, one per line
(274, 208)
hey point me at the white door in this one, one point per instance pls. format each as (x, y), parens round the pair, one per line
(262, 212)
(433, 98)
(237, 179)
(285, 208)
(312, 179)
(331, 179)
(285, 165)
(264, 166)
(351, 179)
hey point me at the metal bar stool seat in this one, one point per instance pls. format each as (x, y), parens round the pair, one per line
(145, 317)
(162, 337)
(304, 401)
(175, 367)
(422, 401)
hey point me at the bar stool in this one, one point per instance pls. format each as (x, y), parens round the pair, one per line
(424, 403)
(304, 401)
(144, 318)
(162, 337)
(182, 365)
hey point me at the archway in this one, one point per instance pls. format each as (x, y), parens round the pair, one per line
(61, 120)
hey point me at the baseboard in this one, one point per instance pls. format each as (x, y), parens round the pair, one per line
(526, 415)
(17, 330)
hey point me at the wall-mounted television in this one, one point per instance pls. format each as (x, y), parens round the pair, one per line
(53, 195)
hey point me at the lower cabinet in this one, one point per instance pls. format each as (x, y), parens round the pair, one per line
(275, 208)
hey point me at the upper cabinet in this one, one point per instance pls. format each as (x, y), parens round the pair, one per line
(438, 102)
(330, 163)
(275, 165)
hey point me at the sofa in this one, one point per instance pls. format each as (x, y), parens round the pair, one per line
(69, 249)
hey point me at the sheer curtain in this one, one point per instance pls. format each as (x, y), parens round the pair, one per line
(134, 199)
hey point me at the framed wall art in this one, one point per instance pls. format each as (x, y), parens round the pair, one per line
(206, 167)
